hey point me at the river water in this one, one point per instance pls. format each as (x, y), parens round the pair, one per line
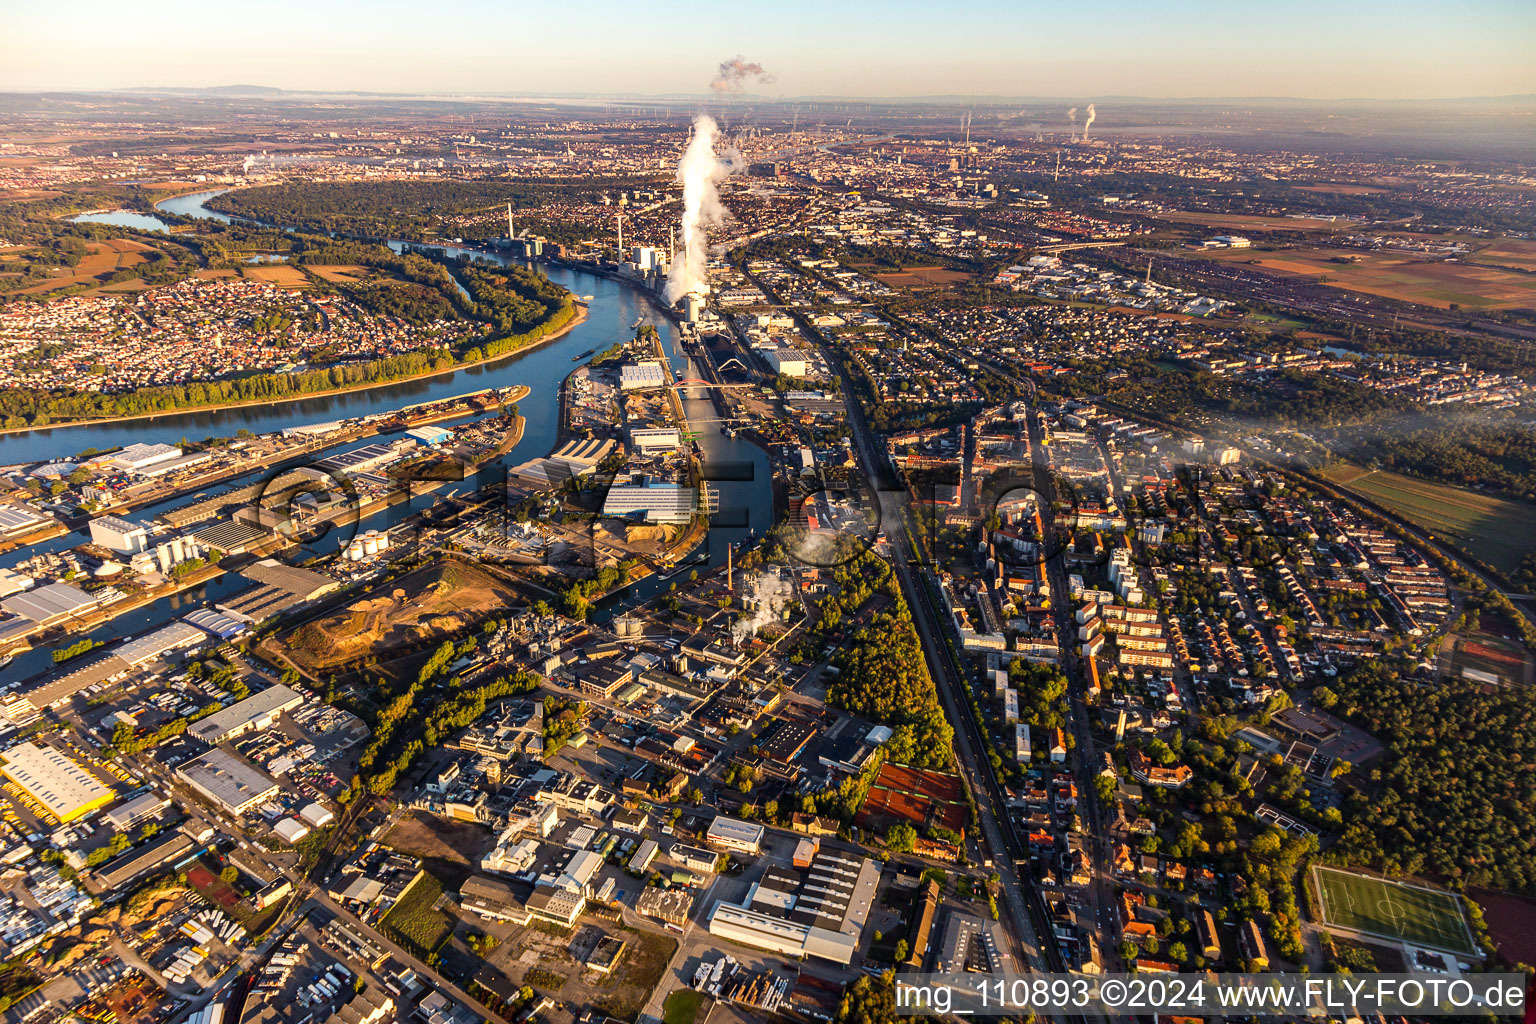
(745, 492)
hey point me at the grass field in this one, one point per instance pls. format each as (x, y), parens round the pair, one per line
(415, 922)
(1497, 530)
(682, 1006)
(1392, 910)
(923, 277)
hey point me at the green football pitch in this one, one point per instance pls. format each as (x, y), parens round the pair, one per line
(1393, 910)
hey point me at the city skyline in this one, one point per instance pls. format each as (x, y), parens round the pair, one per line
(1186, 50)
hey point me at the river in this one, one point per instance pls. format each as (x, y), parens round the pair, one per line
(746, 500)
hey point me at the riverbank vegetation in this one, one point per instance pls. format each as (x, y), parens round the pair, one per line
(517, 307)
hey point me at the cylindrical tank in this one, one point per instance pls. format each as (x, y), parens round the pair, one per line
(355, 551)
(370, 545)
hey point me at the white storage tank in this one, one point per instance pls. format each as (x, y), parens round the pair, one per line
(370, 545)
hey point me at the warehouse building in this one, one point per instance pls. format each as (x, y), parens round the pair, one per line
(16, 521)
(653, 502)
(228, 781)
(54, 781)
(131, 814)
(647, 440)
(54, 602)
(645, 374)
(258, 711)
(786, 361)
(137, 863)
(137, 457)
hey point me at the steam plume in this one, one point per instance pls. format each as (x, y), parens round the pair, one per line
(1072, 114)
(1089, 122)
(768, 598)
(734, 73)
(699, 170)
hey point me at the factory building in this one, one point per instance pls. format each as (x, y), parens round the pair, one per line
(819, 912)
(119, 535)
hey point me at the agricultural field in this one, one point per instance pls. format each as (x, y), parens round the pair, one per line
(102, 259)
(1393, 910)
(415, 922)
(1242, 221)
(1507, 252)
(1497, 530)
(1401, 276)
(340, 274)
(277, 274)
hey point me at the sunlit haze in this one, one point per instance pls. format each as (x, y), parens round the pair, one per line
(1182, 48)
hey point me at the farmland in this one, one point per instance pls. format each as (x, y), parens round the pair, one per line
(1405, 277)
(1496, 530)
(102, 258)
(277, 274)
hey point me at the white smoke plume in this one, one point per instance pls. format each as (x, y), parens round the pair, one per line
(733, 75)
(699, 170)
(1089, 122)
(1072, 115)
(768, 596)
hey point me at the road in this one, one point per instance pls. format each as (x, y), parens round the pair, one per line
(1023, 914)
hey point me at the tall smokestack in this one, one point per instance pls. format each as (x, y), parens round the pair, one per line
(1089, 122)
(621, 237)
(510, 233)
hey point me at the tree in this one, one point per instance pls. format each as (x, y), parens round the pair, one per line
(868, 1001)
(229, 875)
(901, 837)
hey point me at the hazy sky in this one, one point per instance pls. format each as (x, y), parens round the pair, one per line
(1338, 48)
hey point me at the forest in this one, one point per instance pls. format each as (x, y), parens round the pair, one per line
(412, 210)
(1454, 792)
(1288, 398)
(1485, 454)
